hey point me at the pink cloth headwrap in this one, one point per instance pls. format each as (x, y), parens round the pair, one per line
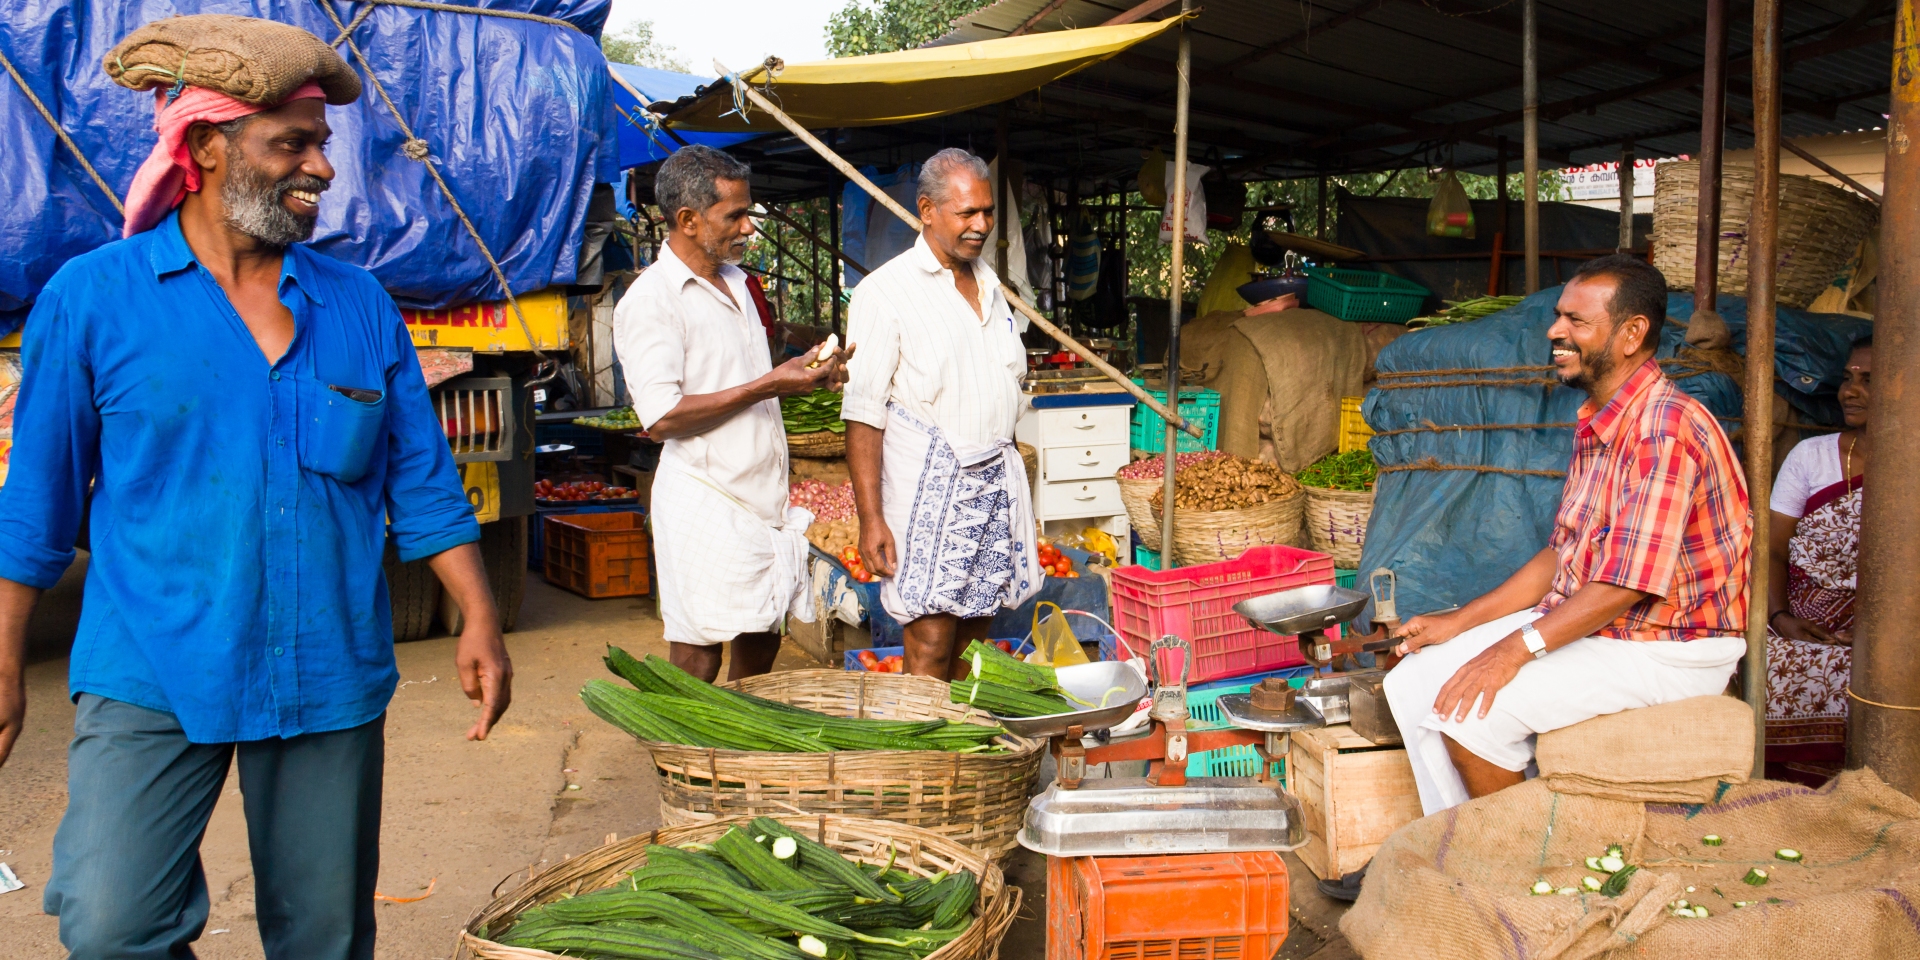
(169, 173)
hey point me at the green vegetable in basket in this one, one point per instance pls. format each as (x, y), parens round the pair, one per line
(1353, 470)
(812, 412)
(1461, 311)
(619, 418)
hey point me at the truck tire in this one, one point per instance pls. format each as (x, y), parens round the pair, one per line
(503, 549)
(415, 593)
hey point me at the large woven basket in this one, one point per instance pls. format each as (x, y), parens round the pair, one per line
(1030, 457)
(978, 799)
(1137, 495)
(819, 445)
(869, 841)
(1214, 535)
(1821, 226)
(1337, 523)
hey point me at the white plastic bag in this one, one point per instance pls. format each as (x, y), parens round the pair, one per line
(1196, 206)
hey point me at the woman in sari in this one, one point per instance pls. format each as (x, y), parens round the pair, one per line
(1815, 547)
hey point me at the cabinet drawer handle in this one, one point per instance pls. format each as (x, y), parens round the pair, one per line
(1089, 463)
(1087, 497)
(1084, 426)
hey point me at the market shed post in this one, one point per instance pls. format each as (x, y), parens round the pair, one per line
(1176, 277)
(1884, 729)
(1706, 249)
(1757, 431)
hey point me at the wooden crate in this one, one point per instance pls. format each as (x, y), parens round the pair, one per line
(597, 554)
(1352, 795)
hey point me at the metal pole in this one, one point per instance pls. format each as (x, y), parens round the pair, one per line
(833, 254)
(1713, 105)
(1497, 269)
(1757, 440)
(1001, 208)
(1177, 275)
(745, 86)
(1885, 671)
(1320, 214)
(1530, 135)
(1625, 180)
(813, 260)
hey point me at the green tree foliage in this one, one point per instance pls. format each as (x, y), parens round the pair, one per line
(636, 44)
(883, 26)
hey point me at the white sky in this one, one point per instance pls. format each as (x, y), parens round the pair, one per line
(736, 32)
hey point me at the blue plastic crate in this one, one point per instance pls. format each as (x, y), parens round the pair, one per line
(852, 658)
(1197, 405)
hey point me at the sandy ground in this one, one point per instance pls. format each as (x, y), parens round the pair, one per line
(460, 818)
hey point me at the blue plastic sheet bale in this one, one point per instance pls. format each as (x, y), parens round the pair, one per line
(516, 113)
(1450, 536)
(642, 143)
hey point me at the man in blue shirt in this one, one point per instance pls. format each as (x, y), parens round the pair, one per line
(244, 425)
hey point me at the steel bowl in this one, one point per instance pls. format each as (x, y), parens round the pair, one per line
(1090, 682)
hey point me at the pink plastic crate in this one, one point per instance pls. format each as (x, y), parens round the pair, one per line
(1197, 603)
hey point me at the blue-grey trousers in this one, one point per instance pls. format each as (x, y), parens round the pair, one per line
(127, 882)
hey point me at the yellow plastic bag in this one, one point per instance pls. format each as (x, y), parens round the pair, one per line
(1053, 640)
(1451, 212)
(1152, 178)
(1099, 541)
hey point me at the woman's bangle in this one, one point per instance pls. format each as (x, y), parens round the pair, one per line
(1776, 613)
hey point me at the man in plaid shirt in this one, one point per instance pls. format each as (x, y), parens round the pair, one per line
(1640, 597)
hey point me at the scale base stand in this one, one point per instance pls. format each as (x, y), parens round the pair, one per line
(1132, 817)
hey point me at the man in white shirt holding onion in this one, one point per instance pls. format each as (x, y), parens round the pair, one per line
(946, 516)
(730, 551)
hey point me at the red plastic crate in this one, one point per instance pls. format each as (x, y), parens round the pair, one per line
(1196, 603)
(1209, 906)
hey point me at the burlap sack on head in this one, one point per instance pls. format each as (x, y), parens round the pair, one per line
(1457, 885)
(1678, 752)
(258, 61)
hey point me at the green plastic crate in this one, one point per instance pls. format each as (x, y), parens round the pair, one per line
(1203, 706)
(1345, 578)
(1146, 558)
(1197, 405)
(1364, 296)
(1241, 761)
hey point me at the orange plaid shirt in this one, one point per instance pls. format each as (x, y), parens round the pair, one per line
(1656, 502)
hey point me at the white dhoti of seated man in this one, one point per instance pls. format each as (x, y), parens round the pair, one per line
(1640, 597)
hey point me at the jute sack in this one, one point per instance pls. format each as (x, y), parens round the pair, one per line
(1678, 752)
(258, 61)
(1457, 885)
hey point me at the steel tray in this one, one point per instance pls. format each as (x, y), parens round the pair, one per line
(1295, 611)
(1089, 682)
(1132, 817)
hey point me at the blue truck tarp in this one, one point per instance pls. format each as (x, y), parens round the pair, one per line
(1450, 536)
(517, 114)
(641, 145)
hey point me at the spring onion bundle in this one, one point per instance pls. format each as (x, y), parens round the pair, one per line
(668, 705)
(1461, 311)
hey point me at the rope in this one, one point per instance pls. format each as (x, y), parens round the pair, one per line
(1432, 427)
(1876, 703)
(419, 150)
(60, 132)
(1460, 372)
(458, 8)
(1516, 382)
(354, 24)
(1433, 464)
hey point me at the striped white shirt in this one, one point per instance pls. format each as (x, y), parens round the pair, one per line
(921, 345)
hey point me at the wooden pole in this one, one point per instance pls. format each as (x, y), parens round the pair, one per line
(1320, 220)
(834, 259)
(1883, 731)
(1530, 140)
(1496, 279)
(1757, 435)
(1713, 124)
(881, 197)
(1176, 277)
(1001, 208)
(1625, 180)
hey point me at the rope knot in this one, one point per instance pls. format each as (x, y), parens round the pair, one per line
(416, 149)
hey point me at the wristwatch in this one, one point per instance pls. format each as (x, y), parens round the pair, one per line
(1536, 645)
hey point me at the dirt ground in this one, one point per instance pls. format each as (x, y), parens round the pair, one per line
(460, 818)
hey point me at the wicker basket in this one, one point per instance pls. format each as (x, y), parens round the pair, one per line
(1030, 457)
(1137, 495)
(1337, 523)
(1821, 226)
(978, 800)
(870, 841)
(1207, 537)
(819, 445)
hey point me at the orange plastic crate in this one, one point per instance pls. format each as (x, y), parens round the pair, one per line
(1209, 906)
(598, 554)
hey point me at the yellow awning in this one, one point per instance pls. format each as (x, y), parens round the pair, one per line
(915, 84)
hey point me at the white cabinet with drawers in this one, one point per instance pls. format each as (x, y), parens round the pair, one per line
(1080, 449)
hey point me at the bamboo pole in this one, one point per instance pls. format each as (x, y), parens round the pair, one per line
(1763, 247)
(1176, 282)
(1013, 296)
(1530, 141)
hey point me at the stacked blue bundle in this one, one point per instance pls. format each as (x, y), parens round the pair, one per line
(516, 113)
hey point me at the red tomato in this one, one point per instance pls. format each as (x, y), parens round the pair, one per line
(868, 660)
(1006, 646)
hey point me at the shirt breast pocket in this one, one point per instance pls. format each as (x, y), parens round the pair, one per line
(339, 427)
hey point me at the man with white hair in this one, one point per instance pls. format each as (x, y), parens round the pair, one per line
(945, 513)
(729, 549)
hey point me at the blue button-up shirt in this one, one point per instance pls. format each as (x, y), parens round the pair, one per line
(239, 509)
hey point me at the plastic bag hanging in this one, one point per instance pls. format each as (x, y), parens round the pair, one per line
(1053, 639)
(1451, 213)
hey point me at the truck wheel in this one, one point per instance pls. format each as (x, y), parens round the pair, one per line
(414, 592)
(503, 549)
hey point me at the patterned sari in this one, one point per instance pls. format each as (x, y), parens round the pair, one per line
(1806, 682)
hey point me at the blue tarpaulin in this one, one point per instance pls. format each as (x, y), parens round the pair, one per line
(516, 113)
(641, 143)
(1450, 536)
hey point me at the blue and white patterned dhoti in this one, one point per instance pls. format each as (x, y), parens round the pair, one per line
(962, 522)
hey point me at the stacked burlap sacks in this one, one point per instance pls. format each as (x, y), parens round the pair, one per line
(1457, 885)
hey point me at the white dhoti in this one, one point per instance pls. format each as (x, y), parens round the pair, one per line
(1587, 678)
(962, 522)
(724, 570)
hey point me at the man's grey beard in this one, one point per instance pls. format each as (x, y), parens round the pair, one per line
(729, 252)
(256, 203)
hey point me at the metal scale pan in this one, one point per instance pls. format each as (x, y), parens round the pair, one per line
(1094, 683)
(1302, 609)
